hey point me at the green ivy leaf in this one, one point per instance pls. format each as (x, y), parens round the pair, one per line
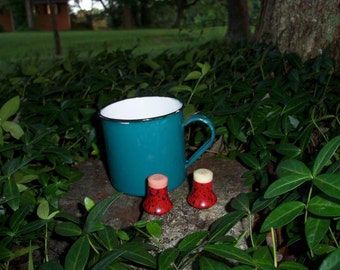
(167, 258)
(205, 68)
(108, 260)
(305, 137)
(24, 179)
(28, 69)
(14, 165)
(251, 161)
(262, 256)
(32, 226)
(285, 184)
(122, 235)
(227, 251)
(154, 228)
(188, 111)
(18, 217)
(13, 128)
(289, 150)
(293, 121)
(67, 65)
(282, 215)
(96, 214)
(68, 229)
(332, 261)
(180, 88)
(334, 168)
(89, 203)
(11, 192)
(9, 108)
(323, 249)
(140, 224)
(274, 133)
(41, 80)
(194, 75)
(77, 256)
(191, 240)
(325, 154)
(109, 237)
(293, 75)
(1, 137)
(5, 253)
(324, 206)
(225, 223)
(70, 173)
(137, 253)
(51, 266)
(200, 88)
(23, 251)
(292, 166)
(151, 63)
(315, 230)
(234, 126)
(294, 105)
(43, 209)
(241, 203)
(261, 204)
(93, 226)
(207, 263)
(285, 124)
(287, 265)
(329, 184)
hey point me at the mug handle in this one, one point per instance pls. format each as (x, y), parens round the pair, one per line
(207, 144)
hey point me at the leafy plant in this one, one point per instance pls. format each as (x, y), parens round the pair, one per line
(7, 110)
(273, 112)
(98, 246)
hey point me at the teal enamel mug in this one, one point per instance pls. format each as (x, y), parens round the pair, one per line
(145, 136)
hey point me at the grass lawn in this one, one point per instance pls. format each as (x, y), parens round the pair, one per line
(20, 44)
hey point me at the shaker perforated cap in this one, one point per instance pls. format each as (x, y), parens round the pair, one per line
(203, 176)
(157, 181)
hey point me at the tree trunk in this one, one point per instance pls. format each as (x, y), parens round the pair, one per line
(238, 20)
(127, 17)
(301, 26)
(181, 6)
(144, 13)
(29, 15)
(180, 14)
(55, 28)
(89, 19)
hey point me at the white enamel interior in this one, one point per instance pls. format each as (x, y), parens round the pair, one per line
(141, 108)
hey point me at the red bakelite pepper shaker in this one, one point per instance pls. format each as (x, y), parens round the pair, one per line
(157, 201)
(202, 195)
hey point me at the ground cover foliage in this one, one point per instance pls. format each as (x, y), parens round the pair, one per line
(275, 113)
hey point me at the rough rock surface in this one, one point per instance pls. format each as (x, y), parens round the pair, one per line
(96, 185)
(181, 220)
(184, 219)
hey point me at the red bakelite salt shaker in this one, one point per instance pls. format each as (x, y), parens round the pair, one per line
(202, 195)
(157, 201)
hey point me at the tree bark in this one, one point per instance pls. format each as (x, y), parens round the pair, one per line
(127, 17)
(55, 28)
(179, 17)
(181, 6)
(301, 26)
(144, 13)
(238, 20)
(29, 15)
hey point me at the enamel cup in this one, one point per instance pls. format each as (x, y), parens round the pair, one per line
(144, 136)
